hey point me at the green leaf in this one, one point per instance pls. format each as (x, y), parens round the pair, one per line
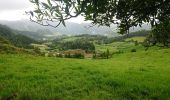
(36, 1)
(37, 11)
(45, 5)
(49, 3)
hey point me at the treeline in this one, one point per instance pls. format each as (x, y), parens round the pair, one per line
(98, 39)
(17, 40)
(77, 44)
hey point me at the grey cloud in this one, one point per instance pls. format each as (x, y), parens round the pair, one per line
(14, 4)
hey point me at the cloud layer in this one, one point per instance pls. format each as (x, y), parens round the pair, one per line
(6, 5)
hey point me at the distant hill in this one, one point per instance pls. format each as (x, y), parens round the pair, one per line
(33, 35)
(14, 38)
(70, 29)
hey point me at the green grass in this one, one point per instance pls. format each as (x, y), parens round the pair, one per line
(143, 75)
(139, 39)
(118, 46)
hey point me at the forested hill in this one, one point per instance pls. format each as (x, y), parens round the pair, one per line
(17, 40)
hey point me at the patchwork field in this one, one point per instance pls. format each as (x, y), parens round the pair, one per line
(141, 75)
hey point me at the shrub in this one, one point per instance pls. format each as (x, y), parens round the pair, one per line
(76, 55)
(102, 55)
(59, 55)
(136, 43)
(133, 50)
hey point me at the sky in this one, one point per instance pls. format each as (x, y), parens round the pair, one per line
(13, 10)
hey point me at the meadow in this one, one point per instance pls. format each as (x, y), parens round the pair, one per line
(141, 75)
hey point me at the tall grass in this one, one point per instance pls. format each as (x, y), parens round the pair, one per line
(141, 75)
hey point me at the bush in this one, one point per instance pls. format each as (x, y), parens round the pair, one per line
(160, 35)
(76, 55)
(133, 50)
(136, 43)
(67, 56)
(59, 55)
(77, 44)
(102, 55)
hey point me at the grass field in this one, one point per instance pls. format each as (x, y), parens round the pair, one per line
(137, 38)
(119, 46)
(142, 75)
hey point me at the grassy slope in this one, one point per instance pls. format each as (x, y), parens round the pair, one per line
(136, 38)
(122, 46)
(140, 75)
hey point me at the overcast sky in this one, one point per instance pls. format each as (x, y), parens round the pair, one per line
(13, 10)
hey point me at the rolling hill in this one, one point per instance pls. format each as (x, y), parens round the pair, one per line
(17, 40)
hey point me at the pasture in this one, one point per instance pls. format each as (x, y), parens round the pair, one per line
(141, 75)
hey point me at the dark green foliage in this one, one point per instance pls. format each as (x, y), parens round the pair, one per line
(77, 44)
(133, 50)
(59, 55)
(104, 12)
(136, 43)
(10, 49)
(4, 48)
(159, 35)
(37, 50)
(102, 55)
(76, 55)
(98, 39)
(67, 55)
(107, 54)
(16, 39)
(4, 41)
(125, 13)
(94, 55)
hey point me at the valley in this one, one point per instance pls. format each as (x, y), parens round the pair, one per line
(83, 67)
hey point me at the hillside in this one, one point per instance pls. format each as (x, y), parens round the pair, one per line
(6, 47)
(16, 39)
(70, 29)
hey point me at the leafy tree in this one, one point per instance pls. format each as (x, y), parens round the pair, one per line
(160, 34)
(125, 13)
(77, 44)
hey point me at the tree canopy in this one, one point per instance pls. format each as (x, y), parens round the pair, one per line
(125, 13)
